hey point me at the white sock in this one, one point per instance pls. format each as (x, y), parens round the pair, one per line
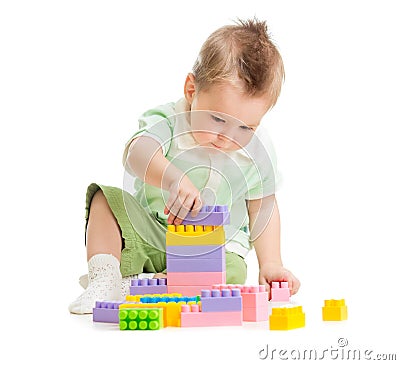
(125, 283)
(146, 275)
(104, 283)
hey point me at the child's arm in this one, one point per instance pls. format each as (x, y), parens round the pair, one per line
(146, 160)
(265, 233)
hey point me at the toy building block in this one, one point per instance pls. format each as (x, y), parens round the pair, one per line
(334, 310)
(194, 235)
(136, 298)
(254, 296)
(171, 311)
(148, 286)
(255, 314)
(141, 319)
(280, 291)
(221, 286)
(189, 290)
(286, 318)
(166, 299)
(209, 215)
(195, 265)
(255, 303)
(196, 252)
(196, 278)
(272, 305)
(191, 316)
(106, 311)
(224, 300)
(254, 300)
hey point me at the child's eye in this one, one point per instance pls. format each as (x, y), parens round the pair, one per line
(244, 127)
(218, 119)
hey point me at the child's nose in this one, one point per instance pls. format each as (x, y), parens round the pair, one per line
(225, 135)
(222, 140)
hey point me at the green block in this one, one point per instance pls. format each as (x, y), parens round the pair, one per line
(140, 318)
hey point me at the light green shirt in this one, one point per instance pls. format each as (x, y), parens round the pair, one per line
(224, 178)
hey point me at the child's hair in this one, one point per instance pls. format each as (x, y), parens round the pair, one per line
(244, 55)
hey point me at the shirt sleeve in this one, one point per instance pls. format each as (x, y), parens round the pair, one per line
(263, 177)
(157, 124)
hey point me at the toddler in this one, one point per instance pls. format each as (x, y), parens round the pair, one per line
(200, 150)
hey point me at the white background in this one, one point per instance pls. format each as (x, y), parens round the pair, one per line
(74, 77)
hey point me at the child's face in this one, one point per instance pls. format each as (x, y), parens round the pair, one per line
(223, 118)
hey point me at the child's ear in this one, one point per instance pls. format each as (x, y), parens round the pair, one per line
(190, 88)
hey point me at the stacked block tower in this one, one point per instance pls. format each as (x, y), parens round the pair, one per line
(195, 293)
(196, 251)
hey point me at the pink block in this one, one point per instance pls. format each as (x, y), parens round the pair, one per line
(209, 319)
(243, 288)
(188, 290)
(255, 314)
(254, 299)
(280, 291)
(196, 278)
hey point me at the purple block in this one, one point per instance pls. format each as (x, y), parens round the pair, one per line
(148, 282)
(195, 265)
(196, 252)
(148, 289)
(107, 311)
(148, 286)
(209, 215)
(224, 300)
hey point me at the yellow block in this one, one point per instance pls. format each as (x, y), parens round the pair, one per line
(334, 310)
(136, 298)
(195, 235)
(287, 318)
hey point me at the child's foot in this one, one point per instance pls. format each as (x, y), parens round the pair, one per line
(125, 283)
(104, 283)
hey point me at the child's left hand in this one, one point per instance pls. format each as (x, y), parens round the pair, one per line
(275, 272)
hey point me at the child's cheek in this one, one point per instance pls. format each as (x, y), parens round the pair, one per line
(202, 138)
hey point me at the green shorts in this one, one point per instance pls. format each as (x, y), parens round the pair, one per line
(143, 237)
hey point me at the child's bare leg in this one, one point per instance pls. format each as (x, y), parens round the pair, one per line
(160, 275)
(103, 234)
(103, 246)
(104, 243)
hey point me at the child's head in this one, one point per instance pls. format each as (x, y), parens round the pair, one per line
(238, 74)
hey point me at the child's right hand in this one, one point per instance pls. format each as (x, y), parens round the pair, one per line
(184, 197)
